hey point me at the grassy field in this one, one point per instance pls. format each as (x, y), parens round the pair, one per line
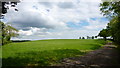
(46, 52)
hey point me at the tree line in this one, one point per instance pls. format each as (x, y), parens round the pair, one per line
(88, 37)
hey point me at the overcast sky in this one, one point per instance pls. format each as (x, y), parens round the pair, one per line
(58, 20)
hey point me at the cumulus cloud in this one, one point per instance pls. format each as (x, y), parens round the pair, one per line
(50, 19)
(29, 16)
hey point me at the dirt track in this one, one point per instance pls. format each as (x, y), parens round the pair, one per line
(105, 57)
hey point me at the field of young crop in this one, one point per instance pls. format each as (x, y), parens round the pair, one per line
(46, 52)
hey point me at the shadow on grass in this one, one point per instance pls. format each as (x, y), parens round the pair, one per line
(40, 58)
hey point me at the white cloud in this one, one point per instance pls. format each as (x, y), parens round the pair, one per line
(49, 19)
(96, 24)
(47, 0)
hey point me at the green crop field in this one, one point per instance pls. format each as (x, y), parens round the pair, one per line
(46, 52)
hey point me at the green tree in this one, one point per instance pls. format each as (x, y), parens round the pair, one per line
(93, 37)
(83, 37)
(88, 37)
(113, 28)
(4, 6)
(104, 33)
(79, 37)
(7, 32)
(96, 36)
(112, 11)
(3, 10)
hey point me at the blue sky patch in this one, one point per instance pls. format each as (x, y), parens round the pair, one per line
(100, 19)
(77, 25)
(84, 23)
(94, 18)
(73, 25)
(104, 19)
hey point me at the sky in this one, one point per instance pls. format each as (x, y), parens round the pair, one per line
(56, 19)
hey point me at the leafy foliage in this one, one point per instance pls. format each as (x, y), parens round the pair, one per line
(4, 6)
(104, 33)
(112, 11)
(7, 32)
